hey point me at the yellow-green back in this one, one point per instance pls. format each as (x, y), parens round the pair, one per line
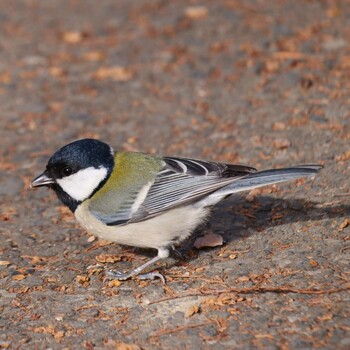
(132, 171)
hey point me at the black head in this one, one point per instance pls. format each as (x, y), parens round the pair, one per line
(76, 171)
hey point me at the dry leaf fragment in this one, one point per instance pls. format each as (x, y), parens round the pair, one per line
(34, 259)
(55, 107)
(344, 224)
(226, 299)
(272, 66)
(18, 277)
(125, 346)
(313, 263)
(5, 78)
(253, 193)
(82, 279)
(72, 37)
(344, 157)
(58, 336)
(278, 126)
(57, 71)
(94, 56)
(333, 12)
(48, 329)
(107, 258)
(233, 310)
(22, 290)
(263, 336)
(194, 309)
(281, 143)
(94, 270)
(8, 214)
(298, 121)
(243, 279)
(209, 240)
(114, 283)
(116, 73)
(4, 263)
(196, 12)
(326, 317)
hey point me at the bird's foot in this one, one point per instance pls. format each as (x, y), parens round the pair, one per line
(124, 276)
(162, 253)
(151, 276)
(119, 275)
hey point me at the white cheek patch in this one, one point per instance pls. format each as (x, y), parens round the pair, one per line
(81, 184)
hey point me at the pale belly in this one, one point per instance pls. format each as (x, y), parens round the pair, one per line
(161, 231)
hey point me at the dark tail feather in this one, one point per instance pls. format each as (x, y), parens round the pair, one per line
(263, 178)
(267, 177)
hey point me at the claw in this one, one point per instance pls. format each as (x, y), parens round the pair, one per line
(162, 253)
(179, 254)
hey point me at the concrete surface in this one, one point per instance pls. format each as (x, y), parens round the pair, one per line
(263, 83)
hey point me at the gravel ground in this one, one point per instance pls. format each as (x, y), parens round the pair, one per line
(263, 83)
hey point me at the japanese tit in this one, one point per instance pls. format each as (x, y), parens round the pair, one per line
(146, 201)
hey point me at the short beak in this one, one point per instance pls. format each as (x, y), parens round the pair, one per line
(42, 180)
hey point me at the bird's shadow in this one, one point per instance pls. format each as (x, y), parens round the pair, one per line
(237, 218)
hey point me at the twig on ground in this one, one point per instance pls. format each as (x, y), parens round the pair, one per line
(279, 290)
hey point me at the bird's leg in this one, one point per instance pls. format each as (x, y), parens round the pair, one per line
(162, 254)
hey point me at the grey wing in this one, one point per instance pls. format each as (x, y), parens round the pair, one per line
(182, 181)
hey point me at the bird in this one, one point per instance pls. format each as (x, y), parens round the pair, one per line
(147, 201)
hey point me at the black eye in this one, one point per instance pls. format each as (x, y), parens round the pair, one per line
(66, 171)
